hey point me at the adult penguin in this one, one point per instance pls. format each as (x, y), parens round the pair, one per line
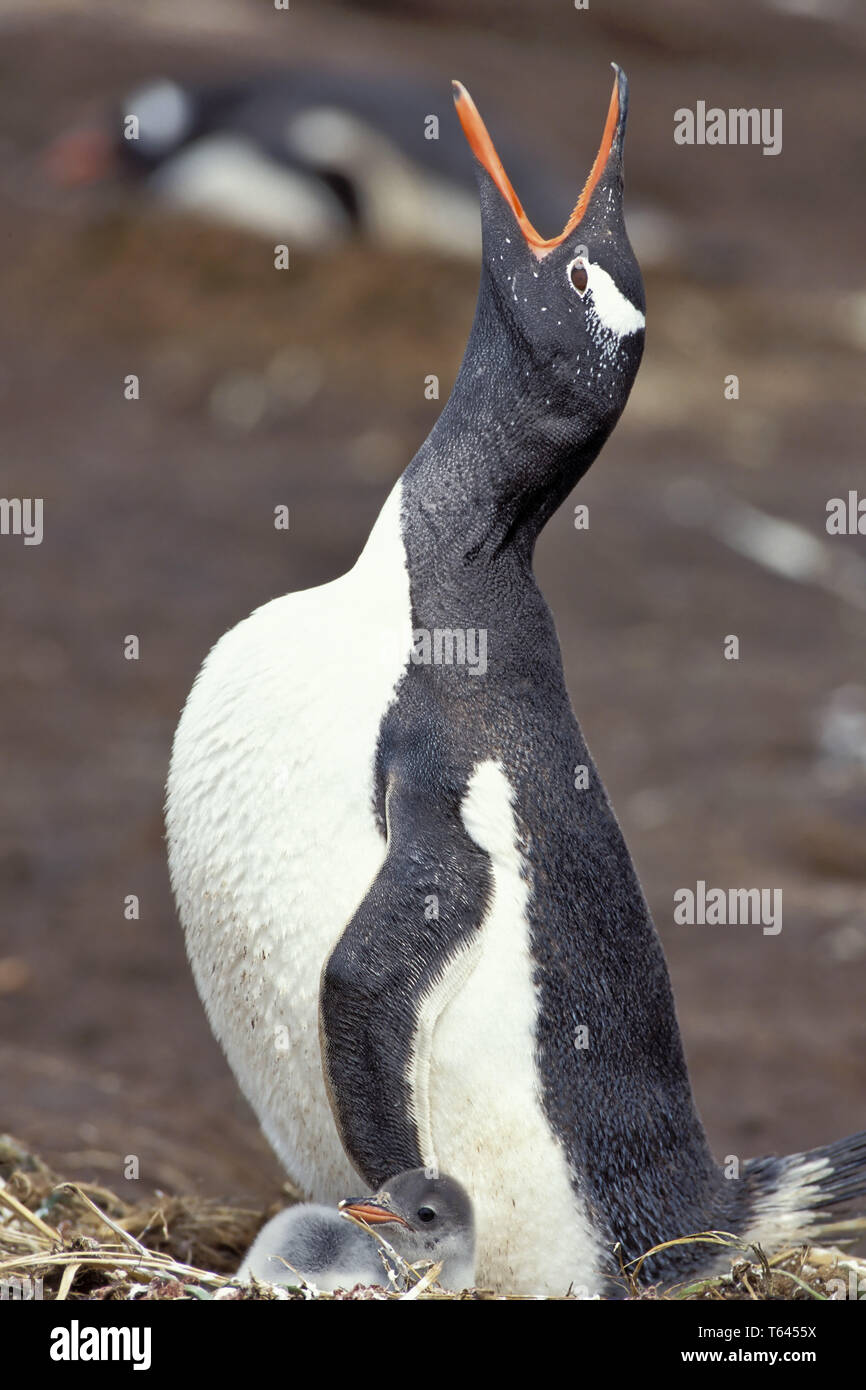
(385, 827)
(307, 156)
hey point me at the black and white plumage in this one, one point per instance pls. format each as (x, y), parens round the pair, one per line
(427, 1221)
(309, 157)
(391, 851)
(315, 158)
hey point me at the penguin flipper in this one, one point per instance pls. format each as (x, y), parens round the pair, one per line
(399, 961)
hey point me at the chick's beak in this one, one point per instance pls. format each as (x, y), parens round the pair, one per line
(372, 1212)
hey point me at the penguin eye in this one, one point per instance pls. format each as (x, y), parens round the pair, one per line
(426, 1214)
(579, 277)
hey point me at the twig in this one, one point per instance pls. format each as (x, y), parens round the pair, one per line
(27, 1215)
(69, 1274)
(112, 1225)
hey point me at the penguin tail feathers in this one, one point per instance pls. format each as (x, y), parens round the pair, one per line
(797, 1198)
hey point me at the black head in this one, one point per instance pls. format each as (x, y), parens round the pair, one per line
(167, 116)
(150, 125)
(556, 343)
(576, 299)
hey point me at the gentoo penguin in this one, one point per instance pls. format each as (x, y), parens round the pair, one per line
(428, 1219)
(313, 158)
(386, 831)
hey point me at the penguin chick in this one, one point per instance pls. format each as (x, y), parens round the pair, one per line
(428, 1220)
(432, 1221)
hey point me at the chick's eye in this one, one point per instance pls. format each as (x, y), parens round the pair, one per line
(426, 1214)
(579, 277)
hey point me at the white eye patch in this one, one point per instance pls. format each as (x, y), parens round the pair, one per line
(614, 312)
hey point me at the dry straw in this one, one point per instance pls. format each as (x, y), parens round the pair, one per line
(77, 1241)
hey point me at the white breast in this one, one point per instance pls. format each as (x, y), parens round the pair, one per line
(487, 1122)
(403, 205)
(227, 178)
(271, 833)
(272, 846)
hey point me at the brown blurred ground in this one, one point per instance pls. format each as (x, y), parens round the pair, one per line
(158, 522)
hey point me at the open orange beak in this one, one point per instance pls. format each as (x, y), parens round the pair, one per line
(485, 152)
(371, 1212)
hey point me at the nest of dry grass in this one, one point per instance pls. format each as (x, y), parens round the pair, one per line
(80, 1241)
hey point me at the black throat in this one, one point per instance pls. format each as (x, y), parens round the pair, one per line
(512, 441)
